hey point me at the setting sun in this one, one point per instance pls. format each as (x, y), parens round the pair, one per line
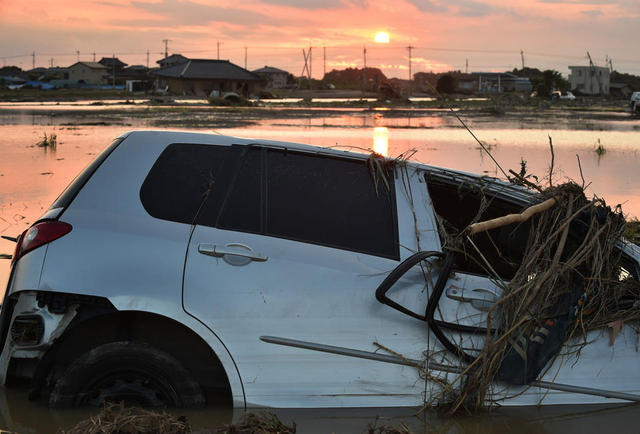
(382, 37)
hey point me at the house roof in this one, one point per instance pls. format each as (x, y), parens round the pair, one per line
(92, 65)
(589, 67)
(205, 69)
(269, 69)
(174, 58)
(109, 61)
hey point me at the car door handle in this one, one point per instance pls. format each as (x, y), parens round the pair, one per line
(480, 298)
(233, 249)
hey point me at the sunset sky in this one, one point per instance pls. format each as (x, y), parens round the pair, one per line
(444, 33)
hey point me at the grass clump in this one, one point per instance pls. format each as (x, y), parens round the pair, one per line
(600, 149)
(50, 142)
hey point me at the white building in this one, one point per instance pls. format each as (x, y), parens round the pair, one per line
(590, 80)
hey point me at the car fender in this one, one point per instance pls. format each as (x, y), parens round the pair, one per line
(125, 303)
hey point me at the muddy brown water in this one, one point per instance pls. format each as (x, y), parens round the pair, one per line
(32, 177)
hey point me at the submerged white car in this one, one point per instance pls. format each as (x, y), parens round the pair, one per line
(181, 269)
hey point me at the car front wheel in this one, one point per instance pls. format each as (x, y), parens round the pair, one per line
(134, 373)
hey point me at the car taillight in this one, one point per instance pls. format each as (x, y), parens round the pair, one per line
(39, 235)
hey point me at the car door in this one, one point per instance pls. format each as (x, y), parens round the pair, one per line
(295, 249)
(471, 279)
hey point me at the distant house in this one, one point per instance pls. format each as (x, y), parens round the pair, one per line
(88, 73)
(48, 74)
(621, 90)
(275, 78)
(115, 68)
(110, 62)
(493, 82)
(174, 59)
(590, 80)
(203, 77)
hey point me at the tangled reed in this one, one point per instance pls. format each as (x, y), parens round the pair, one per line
(571, 279)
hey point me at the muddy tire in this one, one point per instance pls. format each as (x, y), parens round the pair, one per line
(135, 373)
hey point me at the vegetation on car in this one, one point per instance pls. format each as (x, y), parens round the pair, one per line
(569, 280)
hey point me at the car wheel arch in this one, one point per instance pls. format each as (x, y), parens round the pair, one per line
(163, 333)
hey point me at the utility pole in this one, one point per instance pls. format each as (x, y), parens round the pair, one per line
(78, 55)
(364, 70)
(466, 66)
(94, 56)
(113, 69)
(410, 76)
(166, 48)
(324, 62)
(594, 72)
(245, 57)
(147, 59)
(522, 57)
(608, 63)
(218, 49)
(310, 64)
(33, 60)
(52, 62)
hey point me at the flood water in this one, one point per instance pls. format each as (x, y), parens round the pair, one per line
(31, 177)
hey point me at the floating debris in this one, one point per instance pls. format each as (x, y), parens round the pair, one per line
(262, 423)
(120, 419)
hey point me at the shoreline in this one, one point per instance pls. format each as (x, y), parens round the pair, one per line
(196, 113)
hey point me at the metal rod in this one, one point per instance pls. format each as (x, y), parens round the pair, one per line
(340, 351)
(586, 390)
(437, 366)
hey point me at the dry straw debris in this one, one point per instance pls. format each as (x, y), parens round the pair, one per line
(262, 423)
(570, 277)
(116, 418)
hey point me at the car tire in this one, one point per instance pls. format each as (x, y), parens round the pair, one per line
(135, 373)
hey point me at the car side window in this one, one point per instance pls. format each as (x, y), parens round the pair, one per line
(183, 176)
(242, 209)
(457, 204)
(329, 201)
(314, 199)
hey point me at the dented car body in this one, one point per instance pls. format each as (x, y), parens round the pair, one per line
(184, 269)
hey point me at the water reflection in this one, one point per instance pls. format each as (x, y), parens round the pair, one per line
(31, 179)
(381, 141)
(18, 414)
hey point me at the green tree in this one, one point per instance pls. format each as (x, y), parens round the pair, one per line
(548, 81)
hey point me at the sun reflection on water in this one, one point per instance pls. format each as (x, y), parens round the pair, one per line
(381, 141)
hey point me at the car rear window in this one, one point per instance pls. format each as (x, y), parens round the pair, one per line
(183, 177)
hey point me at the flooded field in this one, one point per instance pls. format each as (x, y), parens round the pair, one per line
(31, 177)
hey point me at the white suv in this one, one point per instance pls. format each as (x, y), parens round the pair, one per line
(181, 269)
